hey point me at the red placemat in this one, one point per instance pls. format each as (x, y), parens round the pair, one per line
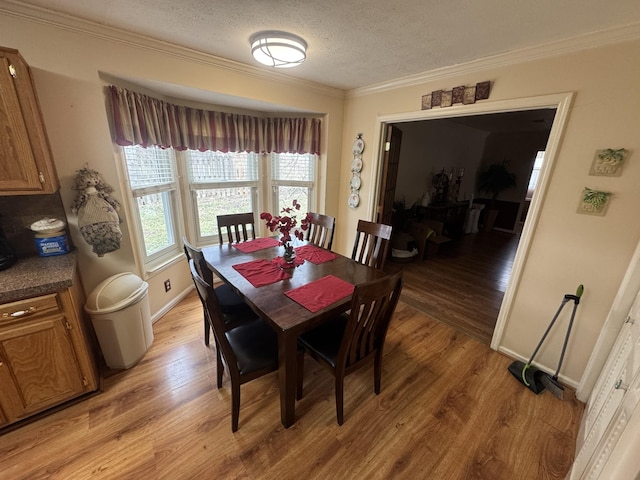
(257, 244)
(261, 272)
(321, 293)
(315, 255)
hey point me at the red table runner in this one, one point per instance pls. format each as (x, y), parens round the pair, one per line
(315, 255)
(321, 293)
(257, 244)
(261, 272)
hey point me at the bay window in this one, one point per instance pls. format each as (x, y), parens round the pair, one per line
(213, 183)
(215, 162)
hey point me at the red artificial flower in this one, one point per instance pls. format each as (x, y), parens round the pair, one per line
(286, 222)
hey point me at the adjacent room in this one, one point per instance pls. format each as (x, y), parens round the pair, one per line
(452, 154)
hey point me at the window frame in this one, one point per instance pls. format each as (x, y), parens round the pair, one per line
(534, 175)
(149, 263)
(276, 204)
(190, 191)
(184, 215)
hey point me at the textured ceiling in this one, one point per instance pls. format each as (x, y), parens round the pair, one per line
(359, 43)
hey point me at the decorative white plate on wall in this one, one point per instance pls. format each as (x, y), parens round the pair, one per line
(356, 182)
(356, 165)
(358, 146)
(354, 200)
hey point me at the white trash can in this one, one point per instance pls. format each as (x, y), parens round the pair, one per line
(119, 309)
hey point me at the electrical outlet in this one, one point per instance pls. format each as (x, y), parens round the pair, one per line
(167, 285)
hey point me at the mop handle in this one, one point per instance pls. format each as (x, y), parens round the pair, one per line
(555, 317)
(576, 301)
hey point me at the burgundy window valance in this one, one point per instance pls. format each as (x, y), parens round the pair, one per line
(139, 119)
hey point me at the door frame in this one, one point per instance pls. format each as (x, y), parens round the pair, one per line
(561, 102)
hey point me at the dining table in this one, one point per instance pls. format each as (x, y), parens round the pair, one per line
(320, 276)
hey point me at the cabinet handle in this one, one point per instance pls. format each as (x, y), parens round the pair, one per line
(629, 320)
(619, 385)
(19, 313)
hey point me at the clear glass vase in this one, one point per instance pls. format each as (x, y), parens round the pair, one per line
(289, 254)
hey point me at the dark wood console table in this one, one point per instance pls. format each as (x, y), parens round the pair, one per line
(451, 214)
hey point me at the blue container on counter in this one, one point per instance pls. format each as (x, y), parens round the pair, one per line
(49, 244)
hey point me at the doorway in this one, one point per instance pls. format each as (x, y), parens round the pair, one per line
(560, 103)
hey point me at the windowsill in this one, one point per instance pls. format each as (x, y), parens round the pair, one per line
(154, 269)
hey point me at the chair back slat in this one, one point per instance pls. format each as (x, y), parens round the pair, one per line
(240, 227)
(194, 253)
(371, 310)
(321, 229)
(372, 242)
(372, 307)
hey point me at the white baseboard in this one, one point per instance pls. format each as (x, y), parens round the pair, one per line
(160, 313)
(565, 380)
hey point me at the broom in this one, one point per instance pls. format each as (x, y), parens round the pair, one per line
(551, 383)
(533, 378)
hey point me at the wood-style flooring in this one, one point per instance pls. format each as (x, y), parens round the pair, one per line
(464, 284)
(448, 409)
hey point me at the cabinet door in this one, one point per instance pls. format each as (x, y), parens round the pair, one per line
(39, 366)
(611, 404)
(26, 165)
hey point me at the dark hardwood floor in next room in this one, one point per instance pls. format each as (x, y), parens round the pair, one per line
(448, 410)
(463, 285)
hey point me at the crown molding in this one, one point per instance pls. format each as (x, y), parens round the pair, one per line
(88, 28)
(602, 38)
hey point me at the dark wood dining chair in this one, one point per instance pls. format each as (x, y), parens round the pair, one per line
(320, 230)
(240, 227)
(230, 302)
(372, 244)
(347, 342)
(250, 349)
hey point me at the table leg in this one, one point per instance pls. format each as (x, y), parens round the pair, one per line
(287, 348)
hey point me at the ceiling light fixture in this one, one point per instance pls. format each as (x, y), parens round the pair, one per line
(278, 49)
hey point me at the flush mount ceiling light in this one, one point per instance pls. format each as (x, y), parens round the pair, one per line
(278, 49)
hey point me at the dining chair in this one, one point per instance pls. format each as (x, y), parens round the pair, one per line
(371, 247)
(250, 349)
(230, 302)
(347, 342)
(320, 230)
(240, 227)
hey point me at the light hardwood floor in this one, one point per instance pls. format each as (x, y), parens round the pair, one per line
(448, 409)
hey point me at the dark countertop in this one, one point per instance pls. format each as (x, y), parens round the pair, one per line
(34, 276)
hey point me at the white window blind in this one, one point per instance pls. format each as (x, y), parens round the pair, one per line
(219, 167)
(149, 167)
(293, 167)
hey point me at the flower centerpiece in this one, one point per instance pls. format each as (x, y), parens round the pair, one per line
(286, 223)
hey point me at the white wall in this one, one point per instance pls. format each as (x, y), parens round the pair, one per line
(428, 147)
(567, 248)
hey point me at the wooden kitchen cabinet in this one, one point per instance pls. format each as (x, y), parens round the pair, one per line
(26, 164)
(45, 358)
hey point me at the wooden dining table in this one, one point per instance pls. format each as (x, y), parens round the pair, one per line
(288, 318)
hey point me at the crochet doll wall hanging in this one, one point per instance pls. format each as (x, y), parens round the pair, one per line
(98, 219)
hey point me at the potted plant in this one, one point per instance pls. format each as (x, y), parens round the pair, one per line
(494, 180)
